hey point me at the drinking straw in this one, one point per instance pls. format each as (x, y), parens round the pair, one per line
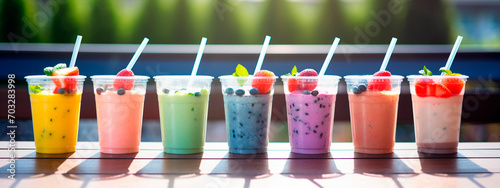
(452, 54)
(329, 56)
(137, 53)
(197, 61)
(75, 51)
(262, 54)
(198, 56)
(388, 54)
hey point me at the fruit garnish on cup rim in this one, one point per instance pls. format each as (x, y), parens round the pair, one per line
(379, 84)
(443, 88)
(264, 85)
(302, 84)
(455, 85)
(63, 85)
(241, 71)
(126, 84)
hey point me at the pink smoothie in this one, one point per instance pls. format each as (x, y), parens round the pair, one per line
(373, 119)
(310, 122)
(437, 123)
(119, 120)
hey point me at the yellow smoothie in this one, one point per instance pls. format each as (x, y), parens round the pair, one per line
(55, 121)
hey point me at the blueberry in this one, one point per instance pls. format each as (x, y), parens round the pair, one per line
(314, 93)
(197, 94)
(229, 91)
(61, 91)
(240, 92)
(99, 90)
(166, 91)
(121, 91)
(356, 90)
(254, 91)
(362, 87)
(306, 92)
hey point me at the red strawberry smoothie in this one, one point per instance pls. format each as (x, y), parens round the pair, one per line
(310, 120)
(373, 119)
(119, 120)
(437, 123)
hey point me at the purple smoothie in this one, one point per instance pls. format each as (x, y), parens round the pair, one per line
(310, 122)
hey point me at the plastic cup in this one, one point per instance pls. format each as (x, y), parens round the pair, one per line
(247, 116)
(55, 110)
(310, 104)
(183, 112)
(373, 103)
(437, 119)
(119, 107)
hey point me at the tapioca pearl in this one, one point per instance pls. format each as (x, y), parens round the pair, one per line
(99, 90)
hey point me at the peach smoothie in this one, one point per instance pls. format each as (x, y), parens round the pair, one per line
(373, 121)
(119, 107)
(373, 103)
(119, 120)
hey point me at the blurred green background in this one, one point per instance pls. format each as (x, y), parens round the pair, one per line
(247, 21)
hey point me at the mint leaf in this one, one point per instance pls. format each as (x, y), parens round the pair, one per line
(60, 66)
(36, 89)
(241, 71)
(425, 72)
(48, 71)
(448, 72)
(294, 71)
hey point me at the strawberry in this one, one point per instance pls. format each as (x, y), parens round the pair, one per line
(455, 85)
(292, 85)
(308, 84)
(425, 87)
(380, 84)
(69, 84)
(264, 85)
(126, 84)
(442, 91)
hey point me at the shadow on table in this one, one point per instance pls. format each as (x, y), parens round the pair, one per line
(311, 167)
(172, 166)
(38, 164)
(248, 167)
(107, 166)
(382, 165)
(452, 165)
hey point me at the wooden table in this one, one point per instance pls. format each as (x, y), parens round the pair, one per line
(475, 165)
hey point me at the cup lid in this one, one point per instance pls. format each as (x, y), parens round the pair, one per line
(183, 77)
(45, 77)
(413, 77)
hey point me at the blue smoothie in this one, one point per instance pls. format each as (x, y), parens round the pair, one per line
(247, 122)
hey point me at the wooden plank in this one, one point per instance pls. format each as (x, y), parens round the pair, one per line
(274, 146)
(255, 166)
(276, 180)
(150, 154)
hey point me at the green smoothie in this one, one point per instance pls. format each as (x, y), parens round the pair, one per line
(183, 118)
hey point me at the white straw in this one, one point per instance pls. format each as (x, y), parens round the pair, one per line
(75, 51)
(329, 56)
(197, 61)
(388, 54)
(137, 54)
(262, 54)
(453, 53)
(198, 56)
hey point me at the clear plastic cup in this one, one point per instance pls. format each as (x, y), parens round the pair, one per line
(310, 104)
(248, 116)
(437, 117)
(55, 109)
(119, 108)
(373, 103)
(183, 102)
